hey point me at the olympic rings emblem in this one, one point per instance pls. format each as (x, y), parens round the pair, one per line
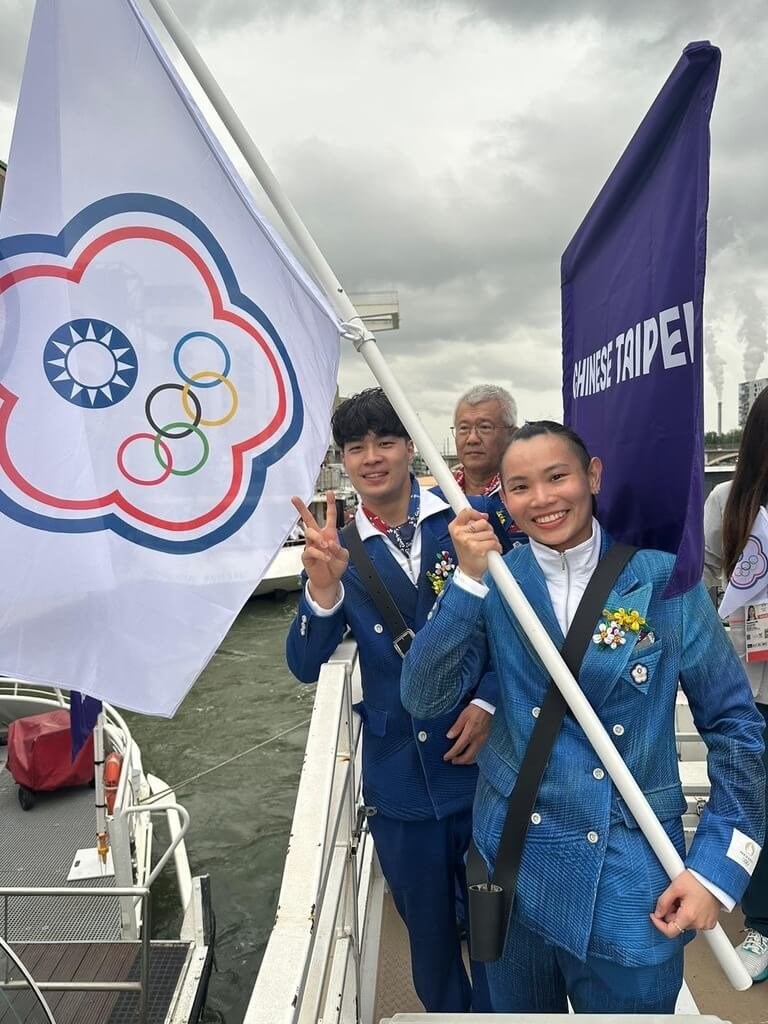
(220, 379)
(212, 337)
(746, 567)
(175, 387)
(752, 566)
(198, 465)
(167, 467)
(179, 429)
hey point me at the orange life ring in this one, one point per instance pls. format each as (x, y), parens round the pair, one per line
(112, 767)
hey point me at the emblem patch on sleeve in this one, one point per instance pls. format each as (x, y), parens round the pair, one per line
(744, 851)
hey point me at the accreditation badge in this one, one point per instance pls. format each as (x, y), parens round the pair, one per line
(756, 631)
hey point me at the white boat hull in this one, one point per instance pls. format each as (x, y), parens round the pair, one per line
(284, 572)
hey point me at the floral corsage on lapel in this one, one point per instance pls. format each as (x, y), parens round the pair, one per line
(442, 572)
(613, 628)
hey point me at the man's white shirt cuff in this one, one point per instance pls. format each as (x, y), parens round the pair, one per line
(727, 901)
(490, 708)
(472, 586)
(317, 609)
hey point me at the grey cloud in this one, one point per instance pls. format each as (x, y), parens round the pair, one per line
(475, 254)
(213, 16)
(751, 332)
(652, 15)
(442, 371)
(16, 21)
(472, 257)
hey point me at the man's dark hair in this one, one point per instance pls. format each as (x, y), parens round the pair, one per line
(535, 428)
(369, 412)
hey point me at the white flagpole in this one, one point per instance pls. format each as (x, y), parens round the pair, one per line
(102, 838)
(364, 341)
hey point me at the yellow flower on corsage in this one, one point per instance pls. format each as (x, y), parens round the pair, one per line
(612, 630)
(444, 567)
(630, 620)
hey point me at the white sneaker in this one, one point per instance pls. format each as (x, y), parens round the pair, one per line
(753, 953)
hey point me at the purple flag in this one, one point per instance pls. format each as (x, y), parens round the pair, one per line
(632, 288)
(83, 712)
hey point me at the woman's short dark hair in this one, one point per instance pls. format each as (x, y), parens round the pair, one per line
(369, 412)
(535, 428)
(749, 489)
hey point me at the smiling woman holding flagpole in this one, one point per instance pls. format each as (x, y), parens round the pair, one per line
(586, 912)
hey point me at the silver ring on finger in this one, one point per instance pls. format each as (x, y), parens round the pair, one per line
(680, 931)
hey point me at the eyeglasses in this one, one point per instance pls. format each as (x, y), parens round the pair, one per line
(463, 430)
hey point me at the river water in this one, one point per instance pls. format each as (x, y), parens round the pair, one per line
(241, 813)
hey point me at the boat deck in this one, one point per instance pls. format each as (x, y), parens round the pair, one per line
(95, 961)
(706, 982)
(38, 848)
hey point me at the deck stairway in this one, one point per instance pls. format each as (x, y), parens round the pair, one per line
(95, 962)
(69, 933)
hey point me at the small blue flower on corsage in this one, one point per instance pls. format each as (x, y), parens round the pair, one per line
(442, 572)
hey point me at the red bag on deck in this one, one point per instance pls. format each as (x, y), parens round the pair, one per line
(40, 753)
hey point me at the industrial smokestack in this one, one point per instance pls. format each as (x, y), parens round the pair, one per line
(720, 418)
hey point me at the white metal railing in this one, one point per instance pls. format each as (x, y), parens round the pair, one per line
(127, 832)
(130, 825)
(33, 691)
(319, 965)
(311, 967)
(129, 895)
(138, 893)
(11, 957)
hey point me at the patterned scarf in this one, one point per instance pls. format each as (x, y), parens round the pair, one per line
(401, 536)
(493, 484)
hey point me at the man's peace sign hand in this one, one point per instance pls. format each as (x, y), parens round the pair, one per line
(324, 558)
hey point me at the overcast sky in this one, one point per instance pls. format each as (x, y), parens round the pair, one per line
(450, 149)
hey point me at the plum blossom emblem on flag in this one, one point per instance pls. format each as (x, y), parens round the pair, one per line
(176, 461)
(749, 580)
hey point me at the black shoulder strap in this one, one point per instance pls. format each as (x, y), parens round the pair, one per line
(523, 797)
(401, 633)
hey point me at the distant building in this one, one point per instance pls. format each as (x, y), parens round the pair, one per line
(748, 392)
(3, 169)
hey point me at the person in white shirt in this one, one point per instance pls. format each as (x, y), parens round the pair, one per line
(729, 514)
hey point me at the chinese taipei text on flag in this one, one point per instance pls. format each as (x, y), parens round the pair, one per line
(632, 289)
(167, 371)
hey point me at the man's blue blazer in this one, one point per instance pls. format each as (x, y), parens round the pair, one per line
(404, 775)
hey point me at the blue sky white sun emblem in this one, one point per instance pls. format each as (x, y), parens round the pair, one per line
(90, 363)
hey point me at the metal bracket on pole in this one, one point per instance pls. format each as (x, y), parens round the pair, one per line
(357, 334)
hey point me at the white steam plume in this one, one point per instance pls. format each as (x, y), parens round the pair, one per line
(751, 332)
(715, 361)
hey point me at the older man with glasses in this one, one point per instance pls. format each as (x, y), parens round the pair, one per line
(483, 422)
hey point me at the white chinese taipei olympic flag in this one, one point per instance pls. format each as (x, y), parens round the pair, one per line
(749, 581)
(167, 371)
